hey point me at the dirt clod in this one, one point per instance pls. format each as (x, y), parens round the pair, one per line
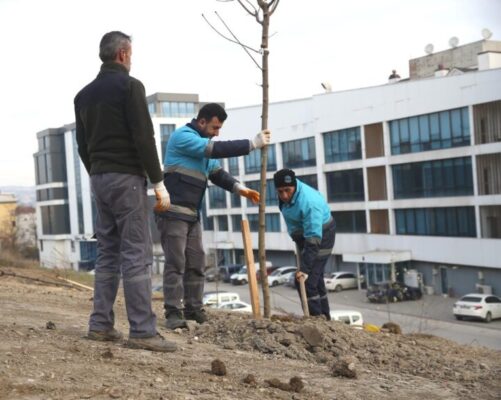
(218, 367)
(50, 325)
(392, 327)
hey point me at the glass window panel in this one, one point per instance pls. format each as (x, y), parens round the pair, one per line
(448, 174)
(457, 132)
(236, 200)
(440, 221)
(222, 222)
(414, 134)
(420, 221)
(233, 166)
(409, 222)
(253, 222)
(347, 185)
(404, 136)
(166, 111)
(465, 123)
(435, 131)
(299, 153)
(395, 137)
(400, 221)
(452, 226)
(272, 222)
(236, 222)
(424, 132)
(445, 129)
(217, 197)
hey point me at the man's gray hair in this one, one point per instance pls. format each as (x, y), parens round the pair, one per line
(111, 43)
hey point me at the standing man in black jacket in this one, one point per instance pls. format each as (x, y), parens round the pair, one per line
(116, 144)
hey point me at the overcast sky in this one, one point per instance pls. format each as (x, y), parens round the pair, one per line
(49, 50)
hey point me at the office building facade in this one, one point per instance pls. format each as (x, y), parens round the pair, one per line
(411, 171)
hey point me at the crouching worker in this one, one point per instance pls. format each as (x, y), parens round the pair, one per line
(190, 160)
(312, 228)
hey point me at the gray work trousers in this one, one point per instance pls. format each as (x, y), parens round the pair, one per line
(184, 263)
(123, 248)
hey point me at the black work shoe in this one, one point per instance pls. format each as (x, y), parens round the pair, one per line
(196, 315)
(154, 343)
(111, 335)
(175, 319)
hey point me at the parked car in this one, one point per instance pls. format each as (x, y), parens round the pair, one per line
(478, 306)
(340, 280)
(280, 275)
(239, 306)
(349, 317)
(241, 277)
(384, 292)
(225, 271)
(214, 299)
(291, 281)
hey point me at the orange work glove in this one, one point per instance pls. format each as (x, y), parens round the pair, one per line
(243, 191)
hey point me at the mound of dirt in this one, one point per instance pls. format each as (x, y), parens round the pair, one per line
(44, 355)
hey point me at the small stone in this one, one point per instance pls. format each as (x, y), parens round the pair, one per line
(50, 325)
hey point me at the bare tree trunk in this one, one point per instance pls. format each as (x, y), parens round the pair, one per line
(264, 162)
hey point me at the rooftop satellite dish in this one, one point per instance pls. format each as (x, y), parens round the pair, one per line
(486, 34)
(453, 41)
(428, 49)
(327, 86)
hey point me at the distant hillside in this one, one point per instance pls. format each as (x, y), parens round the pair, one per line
(26, 195)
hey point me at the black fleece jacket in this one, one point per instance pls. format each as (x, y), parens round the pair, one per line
(113, 126)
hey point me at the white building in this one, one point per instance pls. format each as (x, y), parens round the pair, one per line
(411, 170)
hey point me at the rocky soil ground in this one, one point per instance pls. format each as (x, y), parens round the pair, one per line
(44, 355)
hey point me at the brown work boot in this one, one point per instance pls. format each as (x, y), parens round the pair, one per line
(175, 319)
(111, 335)
(154, 343)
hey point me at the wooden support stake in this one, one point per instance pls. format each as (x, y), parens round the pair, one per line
(78, 284)
(251, 270)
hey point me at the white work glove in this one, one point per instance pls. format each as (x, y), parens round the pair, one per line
(301, 275)
(244, 191)
(262, 138)
(162, 196)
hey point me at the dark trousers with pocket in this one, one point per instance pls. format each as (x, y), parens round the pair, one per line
(184, 267)
(318, 302)
(124, 249)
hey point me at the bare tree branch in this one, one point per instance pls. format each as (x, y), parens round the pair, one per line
(246, 48)
(273, 5)
(253, 13)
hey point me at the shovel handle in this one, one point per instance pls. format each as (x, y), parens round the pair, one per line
(302, 287)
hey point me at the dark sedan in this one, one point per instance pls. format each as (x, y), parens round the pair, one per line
(384, 292)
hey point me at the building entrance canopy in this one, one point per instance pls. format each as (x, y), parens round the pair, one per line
(378, 257)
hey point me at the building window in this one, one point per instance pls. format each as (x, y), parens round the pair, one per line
(450, 177)
(272, 222)
(217, 197)
(177, 109)
(50, 161)
(310, 180)
(236, 222)
(252, 161)
(271, 193)
(222, 223)
(342, 145)
(299, 153)
(165, 132)
(233, 165)
(151, 108)
(253, 222)
(236, 200)
(347, 185)
(441, 221)
(350, 221)
(55, 219)
(441, 130)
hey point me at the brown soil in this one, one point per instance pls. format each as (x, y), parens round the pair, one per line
(44, 355)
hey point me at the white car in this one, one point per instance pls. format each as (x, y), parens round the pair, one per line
(480, 306)
(340, 280)
(239, 306)
(280, 275)
(349, 317)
